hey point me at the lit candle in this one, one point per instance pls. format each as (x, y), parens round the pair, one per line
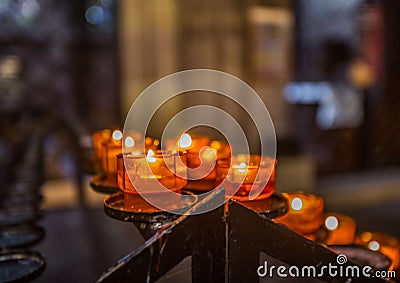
(240, 172)
(223, 149)
(205, 171)
(100, 137)
(185, 142)
(305, 213)
(193, 146)
(383, 243)
(164, 168)
(341, 229)
(247, 172)
(110, 150)
(201, 160)
(150, 170)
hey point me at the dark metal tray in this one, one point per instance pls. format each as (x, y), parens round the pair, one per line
(114, 206)
(20, 236)
(20, 266)
(101, 184)
(272, 207)
(20, 214)
(363, 256)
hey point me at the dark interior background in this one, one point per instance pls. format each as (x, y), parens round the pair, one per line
(72, 80)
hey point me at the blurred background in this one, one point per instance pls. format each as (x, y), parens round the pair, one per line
(328, 71)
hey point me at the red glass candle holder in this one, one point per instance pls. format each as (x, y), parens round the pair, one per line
(150, 171)
(247, 172)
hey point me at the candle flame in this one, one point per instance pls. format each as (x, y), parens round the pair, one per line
(150, 156)
(331, 223)
(242, 168)
(117, 135)
(297, 204)
(129, 142)
(185, 141)
(374, 246)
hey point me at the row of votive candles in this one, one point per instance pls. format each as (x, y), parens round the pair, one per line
(174, 168)
(306, 216)
(200, 164)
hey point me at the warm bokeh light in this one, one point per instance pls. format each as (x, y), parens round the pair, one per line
(331, 223)
(296, 204)
(117, 135)
(129, 142)
(374, 246)
(185, 141)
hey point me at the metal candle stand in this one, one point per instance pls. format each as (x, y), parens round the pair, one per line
(20, 197)
(219, 242)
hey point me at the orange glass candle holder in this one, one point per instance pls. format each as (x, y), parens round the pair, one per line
(204, 179)
(149, 172)
(100, 137)
(111, 148)
(192, 146)
(383, 243)
(341, 229)
(108, 156)
(202, 154)
(247, 172)
(305, 213)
